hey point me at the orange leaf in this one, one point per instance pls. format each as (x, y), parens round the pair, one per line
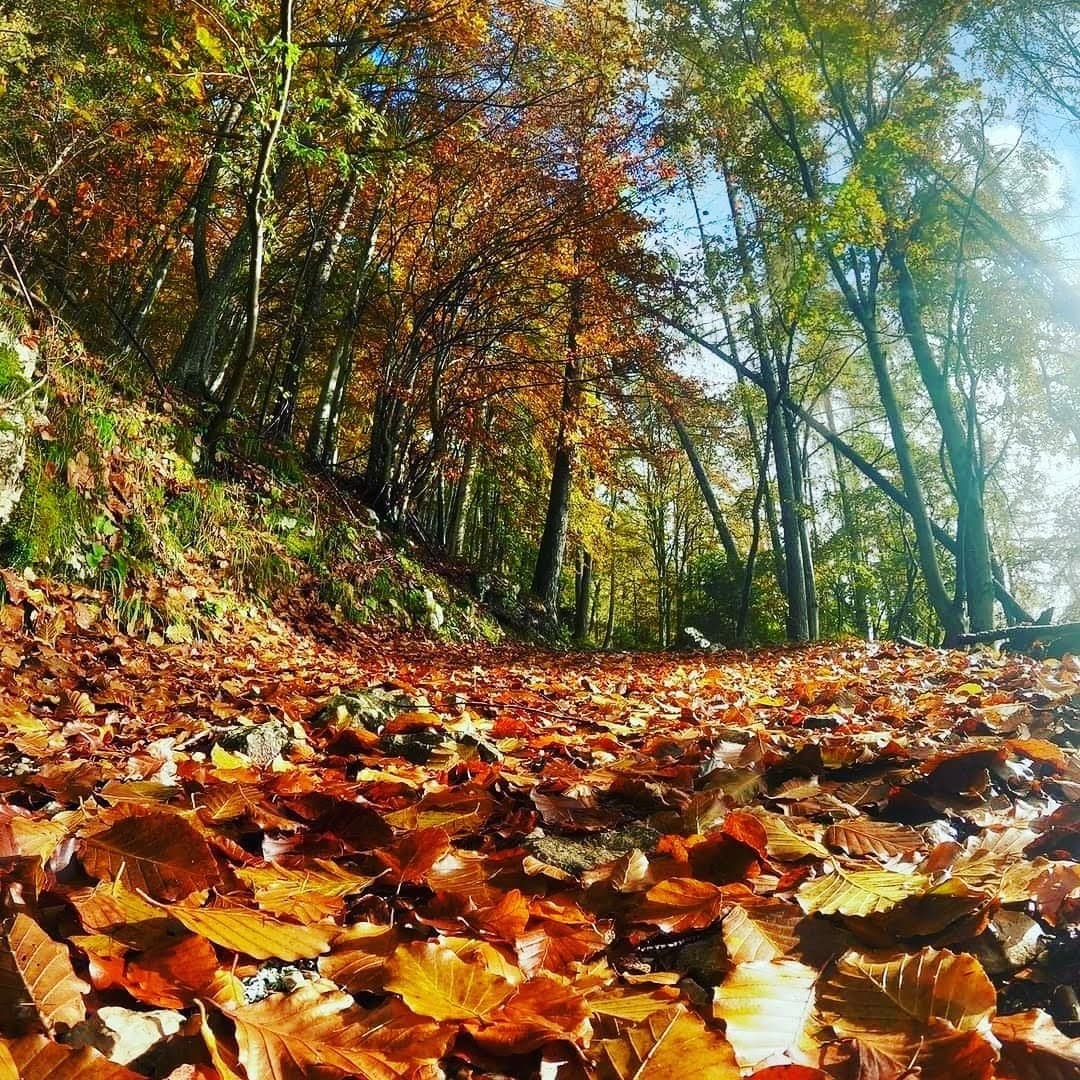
(318, 1031)
(38, 1058)
(158, 853)
(253, 933)
(37, 980)
(681, 904)
(434, 981)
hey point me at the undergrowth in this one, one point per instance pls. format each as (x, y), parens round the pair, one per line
(112, 499)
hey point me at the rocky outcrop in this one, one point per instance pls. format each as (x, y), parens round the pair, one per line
(18, 363)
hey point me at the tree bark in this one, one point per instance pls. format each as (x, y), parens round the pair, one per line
(549, 559)
(727, 541)
(978, 571)
(256, 230)
(284, 410)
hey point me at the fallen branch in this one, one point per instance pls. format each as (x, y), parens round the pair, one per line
(1023, 636)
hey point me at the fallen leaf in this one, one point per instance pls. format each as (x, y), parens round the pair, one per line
(766, 1006)
(434, 981)
(37, 981)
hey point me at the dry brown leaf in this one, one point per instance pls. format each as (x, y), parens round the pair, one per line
(681, 904)
(39, 1058)
(673, 1043)
(307, 894)
(882, 839)
(858, 892)
(37, 981)
(157, 853)
(760, 929)
(870, 992)
(253, 933)
(316, 1030)
(357, 955)
(1032, 1048)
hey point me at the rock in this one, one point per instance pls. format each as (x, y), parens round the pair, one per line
(17, 365)
(416, 747)
(261, 742)
(276, 978)
(1012, 941)
(576, 854)
(369, 709)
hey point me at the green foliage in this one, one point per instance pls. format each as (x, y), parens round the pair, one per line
(13, 381)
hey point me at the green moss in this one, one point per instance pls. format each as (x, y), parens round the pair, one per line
(44, 529)
(12, 380)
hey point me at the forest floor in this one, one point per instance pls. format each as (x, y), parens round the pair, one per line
(305, 849)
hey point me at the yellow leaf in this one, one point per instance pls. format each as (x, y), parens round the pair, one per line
(209, 43)
(307, 895)
(785, 844)
(226, 759)
(253, 933)
(674, 1043)
(766, 1006)
(760, 929)
(434, 981)
(858, 892)
(873, 993)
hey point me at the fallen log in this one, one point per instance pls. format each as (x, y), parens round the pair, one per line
(1052, 640)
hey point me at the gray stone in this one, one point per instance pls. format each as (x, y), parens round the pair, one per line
(576, 854)
(261, 742)
(16, 419)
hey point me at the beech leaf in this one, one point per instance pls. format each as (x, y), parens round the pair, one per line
(669, 1044)
(158, 853)
(253, 933)
(37, 980)
(766, 1006)
(319, 1031)
(434, 981)
(858, 892)
(870, 992)
(1032, 1047)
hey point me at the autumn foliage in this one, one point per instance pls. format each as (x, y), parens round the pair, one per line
(286, 855)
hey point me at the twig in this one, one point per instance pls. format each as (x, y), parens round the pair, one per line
(19, 279)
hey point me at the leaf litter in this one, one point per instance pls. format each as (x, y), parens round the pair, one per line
(310, 850)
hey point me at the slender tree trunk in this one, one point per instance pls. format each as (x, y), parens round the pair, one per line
(609, 624)
(455, 537)
(256, 229)
(1014, 609)
(798, 624)
(978, 569)
(549, 559)
(583, 598)
(284, 410)
(727, 541)
(852, 534)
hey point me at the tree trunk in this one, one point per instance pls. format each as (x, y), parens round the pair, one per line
(583, 598)
(978, 569)
(455, 536)
(1014, 609)
(852, 534)
(798, 625)
(284, 410)
(549, 559)
(727, 541)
